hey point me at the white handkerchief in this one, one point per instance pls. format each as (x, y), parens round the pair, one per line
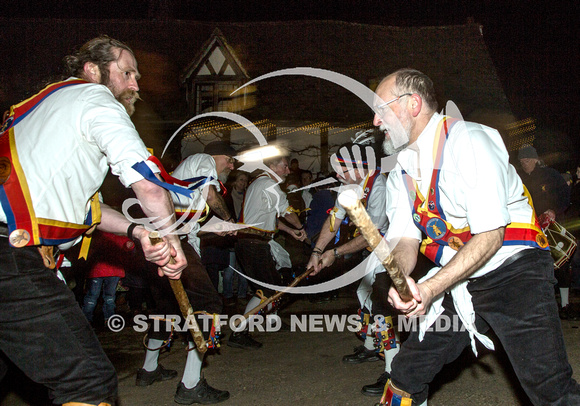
(463, 306)
(280, 255)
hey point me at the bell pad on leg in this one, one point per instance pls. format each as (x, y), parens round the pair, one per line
(394, 396)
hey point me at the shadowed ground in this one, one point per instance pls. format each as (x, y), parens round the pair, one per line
(298, 368)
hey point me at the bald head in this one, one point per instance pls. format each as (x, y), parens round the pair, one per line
(405, 104)
(411, 81)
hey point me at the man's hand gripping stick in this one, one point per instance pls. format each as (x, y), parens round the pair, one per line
(183, 301)
(357, 213)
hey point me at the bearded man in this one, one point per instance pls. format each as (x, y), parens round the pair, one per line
(454, 196)
(56, 149)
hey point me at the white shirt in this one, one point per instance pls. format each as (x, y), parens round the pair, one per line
(264, 203)
(376, 210)
(307, 197)
(66, 145)
(478, 186)
(198, 165)
(375, 204)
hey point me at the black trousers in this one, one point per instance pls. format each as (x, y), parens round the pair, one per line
(200, 290)
(44, 332)
(517, 302)
(257, 262)
(380, 296)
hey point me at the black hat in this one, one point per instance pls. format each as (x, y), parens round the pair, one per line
(219, 148)
(527, 151)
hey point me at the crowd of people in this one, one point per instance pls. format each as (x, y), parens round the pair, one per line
(478, 221)
(555, 200)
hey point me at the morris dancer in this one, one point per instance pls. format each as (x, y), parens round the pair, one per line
(202, 170)
(55, 150)
(370, 184)
(453, 184)
(258, 254)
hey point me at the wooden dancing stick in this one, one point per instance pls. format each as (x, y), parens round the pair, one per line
(183, 301)
(275, 296)
(357, 213)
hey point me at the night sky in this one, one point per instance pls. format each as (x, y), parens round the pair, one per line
(534, 45)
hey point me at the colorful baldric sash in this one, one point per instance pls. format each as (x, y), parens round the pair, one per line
(429, 217)
(23, 225)
(184, 187)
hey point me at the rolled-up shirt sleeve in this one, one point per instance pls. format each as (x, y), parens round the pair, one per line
(339, 211)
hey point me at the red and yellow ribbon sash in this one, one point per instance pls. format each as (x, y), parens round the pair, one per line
(429, 217)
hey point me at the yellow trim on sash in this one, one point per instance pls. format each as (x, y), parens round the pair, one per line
(424, 210)
(201, 219)
(426, 241)
(262, 230)
(64, 224)
(524, 225)
(87, 238)
(86, 244)
(297, 211)
(15, 106)
(333, 218)
(95, 213)
(24, 187)
(96, 209)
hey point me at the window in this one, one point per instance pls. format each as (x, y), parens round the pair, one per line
(216, 97)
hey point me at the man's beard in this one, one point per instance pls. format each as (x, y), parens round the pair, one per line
(128, 98)
(389, 146)
(223, 176)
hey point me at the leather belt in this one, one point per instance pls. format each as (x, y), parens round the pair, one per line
(516, 256)
(250, 233)
(508, 261)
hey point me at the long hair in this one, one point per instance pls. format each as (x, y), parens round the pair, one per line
(99, 51)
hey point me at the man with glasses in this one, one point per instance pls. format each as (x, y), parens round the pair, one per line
(398, 140)
(454, 189)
